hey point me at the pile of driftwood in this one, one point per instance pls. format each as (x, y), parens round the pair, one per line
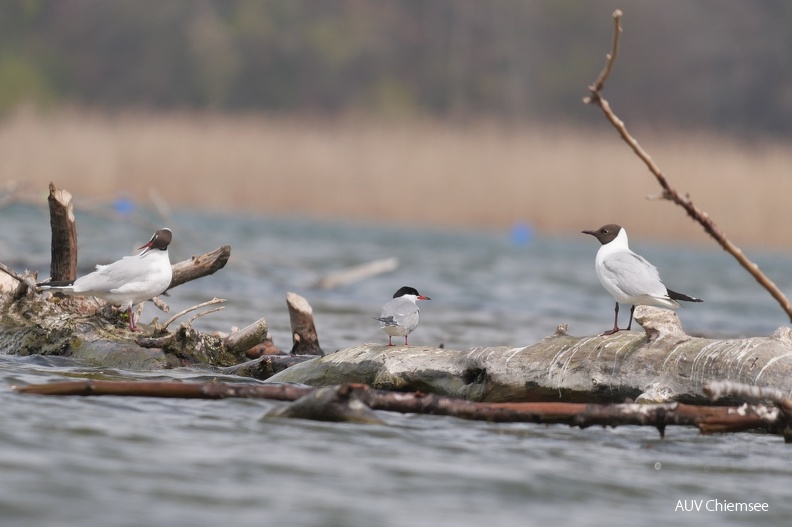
(89, 330)
(662, 373)
(658, 377)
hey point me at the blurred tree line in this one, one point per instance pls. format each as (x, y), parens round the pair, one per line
(709, 64)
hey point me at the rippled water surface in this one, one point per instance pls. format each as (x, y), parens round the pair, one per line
(111, 461)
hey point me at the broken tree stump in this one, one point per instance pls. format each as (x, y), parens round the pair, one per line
(304, 338)
(63, 266)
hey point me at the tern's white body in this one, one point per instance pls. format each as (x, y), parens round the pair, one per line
(400, 316)
(629, 277)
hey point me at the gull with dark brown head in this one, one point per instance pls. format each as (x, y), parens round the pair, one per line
(629, 277)
(129, 281)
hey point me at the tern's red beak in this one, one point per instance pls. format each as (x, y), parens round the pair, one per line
(421, 297)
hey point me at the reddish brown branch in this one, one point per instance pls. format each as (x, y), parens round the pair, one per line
(337, 402)
(668, 191)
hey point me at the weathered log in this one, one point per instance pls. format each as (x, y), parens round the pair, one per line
(199, 266)
(304, 337)
(331, 403)
(661, 364)
(354, 402)
(265, 366)
(63, 266)
(244, 339)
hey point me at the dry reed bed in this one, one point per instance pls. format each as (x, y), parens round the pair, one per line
(483, 175)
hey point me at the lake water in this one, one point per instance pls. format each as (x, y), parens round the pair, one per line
(110, 461)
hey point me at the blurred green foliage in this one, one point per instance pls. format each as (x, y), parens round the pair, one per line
(721, 64)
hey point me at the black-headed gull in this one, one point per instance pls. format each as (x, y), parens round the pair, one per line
(128, 281)
(629, 277)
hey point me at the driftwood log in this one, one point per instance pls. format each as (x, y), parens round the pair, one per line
(660, 364)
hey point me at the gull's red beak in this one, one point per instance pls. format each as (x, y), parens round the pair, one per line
(148, 247)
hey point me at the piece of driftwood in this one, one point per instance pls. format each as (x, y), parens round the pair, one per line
(331, 403)
(265, 347)
(265, 366)
(244, 339)
(199, 266)
(357, 273)
(355, 402)
(304, 338)
(63, 266)
(660, 364)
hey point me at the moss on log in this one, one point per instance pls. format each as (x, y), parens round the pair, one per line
(660, 364)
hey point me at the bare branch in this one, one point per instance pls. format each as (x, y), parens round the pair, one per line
(354, 402)
(668, 191)
(611, 57)
(13, 274)
(203, 313)
(199, 306)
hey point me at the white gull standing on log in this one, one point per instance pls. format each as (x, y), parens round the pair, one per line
(400, 316)
(128, 281)
(629, 277)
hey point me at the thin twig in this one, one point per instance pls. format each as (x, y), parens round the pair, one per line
(202, 313)
(10, 272)
(611, 57)
(669, 192)
(199, 306)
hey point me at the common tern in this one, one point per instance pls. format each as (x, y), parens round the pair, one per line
(400, 316)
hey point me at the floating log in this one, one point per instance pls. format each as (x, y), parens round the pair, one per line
(660, 364)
